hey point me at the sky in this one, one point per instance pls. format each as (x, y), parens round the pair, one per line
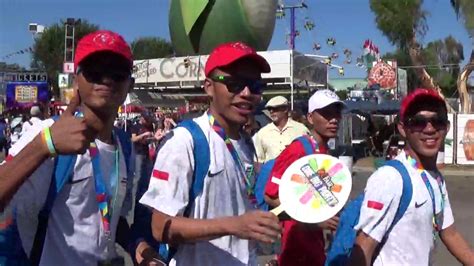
(350, 22)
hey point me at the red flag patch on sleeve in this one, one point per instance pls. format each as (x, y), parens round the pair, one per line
(161, 175)
(374, 205)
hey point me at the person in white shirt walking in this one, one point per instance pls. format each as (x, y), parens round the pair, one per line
(424, 124)
(273, 138)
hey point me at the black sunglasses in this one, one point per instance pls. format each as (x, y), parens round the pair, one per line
(236, 85)
(277, 108)
(419, 123)
(96, 75)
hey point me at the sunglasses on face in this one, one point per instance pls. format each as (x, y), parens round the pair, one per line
(97, 75)
(237, 85)
(419, 123)
(276, 109)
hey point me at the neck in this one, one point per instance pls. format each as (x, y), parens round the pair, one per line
(281, 123)
(428, 163)
(102, 124)
(322, 141)
(231, 130)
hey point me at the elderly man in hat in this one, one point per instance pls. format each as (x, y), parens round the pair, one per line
(272, 139)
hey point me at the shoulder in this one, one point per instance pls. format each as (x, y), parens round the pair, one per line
(297, 124)
(386, 179)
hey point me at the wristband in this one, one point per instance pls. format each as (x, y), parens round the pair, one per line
(46, 135)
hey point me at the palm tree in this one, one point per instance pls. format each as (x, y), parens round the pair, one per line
(465, 11)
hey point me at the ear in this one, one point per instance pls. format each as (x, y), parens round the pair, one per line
(209, 88)
(309, 117)
(401, 129)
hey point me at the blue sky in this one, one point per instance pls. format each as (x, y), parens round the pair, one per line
(350, 22)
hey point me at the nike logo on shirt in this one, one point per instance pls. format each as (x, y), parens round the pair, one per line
(214, 174)
(419, 205)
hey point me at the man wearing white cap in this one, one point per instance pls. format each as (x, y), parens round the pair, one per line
(303, 244)
(272, 139)
(36, 118)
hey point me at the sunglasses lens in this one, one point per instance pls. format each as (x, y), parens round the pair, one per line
(418, 123)
(94, 76)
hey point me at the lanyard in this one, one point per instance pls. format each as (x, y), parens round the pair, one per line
(103, 197)
(249, 186)
(437, 219)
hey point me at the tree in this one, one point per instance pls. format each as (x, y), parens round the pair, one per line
(402, 22)
(151, 47)
(48, 49)
(465, 11)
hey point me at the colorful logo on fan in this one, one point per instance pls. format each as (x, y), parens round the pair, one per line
(318, 185)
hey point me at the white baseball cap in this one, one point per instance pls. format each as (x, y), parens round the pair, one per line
(276, 101)
(321, 99)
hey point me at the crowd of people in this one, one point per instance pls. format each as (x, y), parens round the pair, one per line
(184, 193)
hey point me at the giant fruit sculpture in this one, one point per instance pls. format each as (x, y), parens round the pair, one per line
(197, 26)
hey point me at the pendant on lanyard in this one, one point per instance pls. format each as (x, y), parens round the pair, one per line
(249, 186)
(103, 197)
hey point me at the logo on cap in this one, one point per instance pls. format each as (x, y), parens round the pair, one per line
(242, 46)
(104, 39)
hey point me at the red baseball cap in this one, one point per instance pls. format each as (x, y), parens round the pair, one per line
(228, 53)
(101, 41)
(419, 95)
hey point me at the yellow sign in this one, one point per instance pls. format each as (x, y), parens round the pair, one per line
(26, 93)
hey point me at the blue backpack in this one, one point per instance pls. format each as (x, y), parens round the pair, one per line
(344, 240)
(11, 249)
(266, 171)
(141, 228)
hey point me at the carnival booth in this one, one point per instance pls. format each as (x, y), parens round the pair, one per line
(179, 79)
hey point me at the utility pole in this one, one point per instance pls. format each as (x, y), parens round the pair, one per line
(281, 9)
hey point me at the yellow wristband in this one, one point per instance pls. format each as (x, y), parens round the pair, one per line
(46, 136)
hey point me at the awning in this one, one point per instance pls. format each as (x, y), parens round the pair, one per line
(386, 107)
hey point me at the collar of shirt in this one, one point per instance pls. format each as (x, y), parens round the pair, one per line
(289, 124)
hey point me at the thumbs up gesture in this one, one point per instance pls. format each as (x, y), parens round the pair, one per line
(70, 134)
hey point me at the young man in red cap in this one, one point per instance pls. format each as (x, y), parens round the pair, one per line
(222, 222)
(423, 124)
(78, 231)
(303, 244)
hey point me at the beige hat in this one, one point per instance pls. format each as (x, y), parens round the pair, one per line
(276, 101)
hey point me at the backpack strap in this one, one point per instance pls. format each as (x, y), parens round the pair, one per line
(405, 199)
(63, 168)
(202, 160)
(407, 191)
(126, 146)
(307, 145)
(62, 171)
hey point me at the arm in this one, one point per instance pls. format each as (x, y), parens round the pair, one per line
(14, 172)
(137, 138)
(377, 213)
(457, 245)
(257, 225)
(363, 250)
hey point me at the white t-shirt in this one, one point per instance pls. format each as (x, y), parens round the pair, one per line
(224, 194)
(411, 240)
(75, 234)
